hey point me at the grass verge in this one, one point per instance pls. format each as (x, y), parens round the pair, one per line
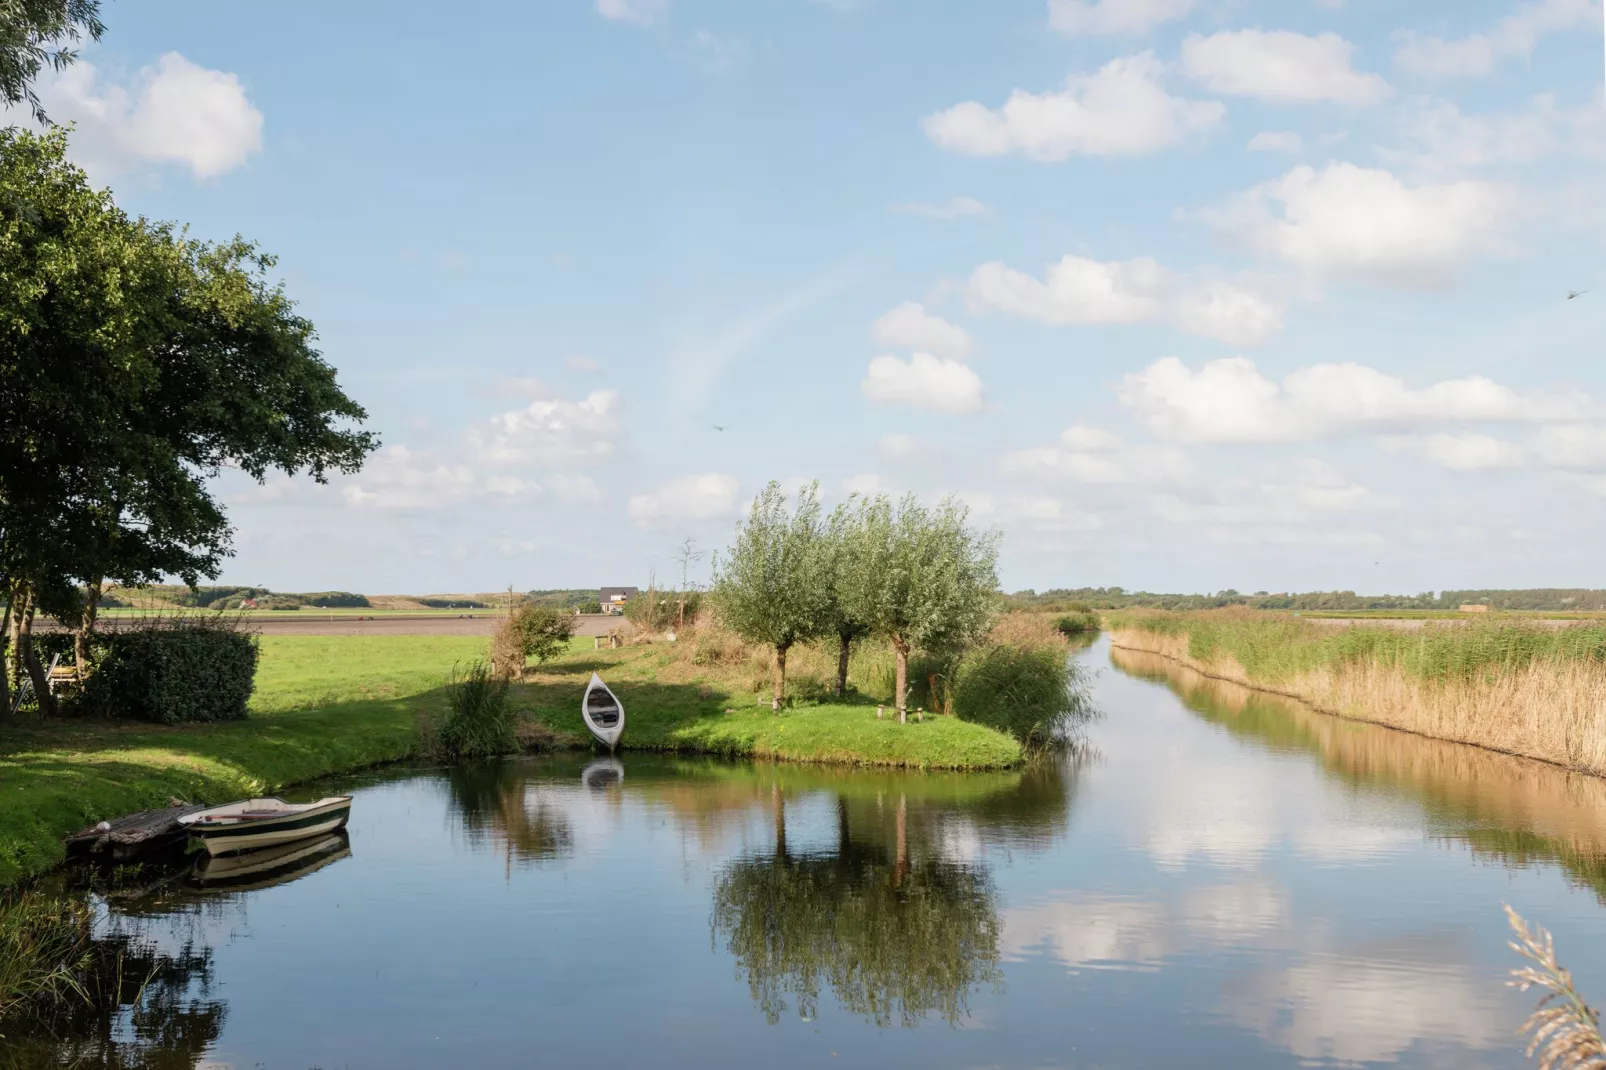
(334, 704)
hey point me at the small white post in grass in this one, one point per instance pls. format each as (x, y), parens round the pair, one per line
(903, 715)
(878, 713)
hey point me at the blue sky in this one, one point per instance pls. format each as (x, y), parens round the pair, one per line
(1179, 294)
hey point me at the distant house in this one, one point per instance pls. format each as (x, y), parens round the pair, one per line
(614, 598)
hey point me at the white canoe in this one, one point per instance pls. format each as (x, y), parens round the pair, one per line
(604, 714)
(253, 823)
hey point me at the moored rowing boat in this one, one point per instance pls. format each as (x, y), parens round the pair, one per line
(253, 823)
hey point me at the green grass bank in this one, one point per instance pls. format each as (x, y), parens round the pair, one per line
(1511, 686)
(333, 704)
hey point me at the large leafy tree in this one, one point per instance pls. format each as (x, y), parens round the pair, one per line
(843, 549)
(137, 364)
(35, 34)
(921, 578)
(771, 587)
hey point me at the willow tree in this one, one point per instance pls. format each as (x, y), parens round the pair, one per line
(771, 586)
(138, 364)
(35, 34)
(920, 578)
(842, 551)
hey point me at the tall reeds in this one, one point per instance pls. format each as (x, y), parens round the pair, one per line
(1517, 688)
(480, 719)
(1563, 1031)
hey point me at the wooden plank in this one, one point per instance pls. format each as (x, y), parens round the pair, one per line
(129, 836)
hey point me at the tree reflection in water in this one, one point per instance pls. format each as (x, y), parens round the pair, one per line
(504, 802)
(894, 933)
(148, 1009)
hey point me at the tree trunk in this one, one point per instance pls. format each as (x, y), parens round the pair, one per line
(86, 628)
(5, 662)
(779, 675)
(901, 698)
(842, 665)
(30, 661)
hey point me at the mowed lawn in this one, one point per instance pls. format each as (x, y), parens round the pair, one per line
(333, 704)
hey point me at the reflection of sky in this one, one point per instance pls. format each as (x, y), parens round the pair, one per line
(1211, 901)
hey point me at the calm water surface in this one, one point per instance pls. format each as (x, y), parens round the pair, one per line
(1223, 880)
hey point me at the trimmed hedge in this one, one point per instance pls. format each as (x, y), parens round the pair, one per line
(174, 674)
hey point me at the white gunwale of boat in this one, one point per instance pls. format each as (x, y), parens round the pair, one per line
(607, 735)
(252, 823)
(253, 811)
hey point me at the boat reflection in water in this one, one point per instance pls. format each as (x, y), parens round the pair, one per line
(268, 866)
(602, 774)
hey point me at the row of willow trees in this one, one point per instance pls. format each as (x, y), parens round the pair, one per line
(137, 364)
(919, 578)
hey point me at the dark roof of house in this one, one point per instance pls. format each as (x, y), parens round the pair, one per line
(609, 592)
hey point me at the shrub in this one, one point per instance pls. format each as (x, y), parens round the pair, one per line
(336, 600)
(175, 670)
(589, 607)
(1078, 623)
(480, 719)
(453, 603)
(1033, 693)
(532, 631)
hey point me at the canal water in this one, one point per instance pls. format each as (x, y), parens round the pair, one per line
(1216, 879)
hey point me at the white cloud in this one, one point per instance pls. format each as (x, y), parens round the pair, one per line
(689, 498)
(579, 363)
(1364, 223)
(173, 112)
(1094, 455)
(1113, 16)
(1079, 291)
(1581, 447)
(910, 326)
(1435, 136)
(954, 208)
(1469, 451)
(1277, 141)
(551, 431)
(1281, 67)
(1513, 37)
(866, 484)
(636, 12)
(1122, 110)
(924, 382)
(396, 477)
(1231, 401)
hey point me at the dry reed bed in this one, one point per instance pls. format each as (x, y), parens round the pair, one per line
(1485, 789)
(1550, 706)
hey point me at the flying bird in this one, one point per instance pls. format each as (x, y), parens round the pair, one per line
(1575, 294)
(719, 427)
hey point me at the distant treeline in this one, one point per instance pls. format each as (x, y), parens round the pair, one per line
(227, 597)
(1550, 599)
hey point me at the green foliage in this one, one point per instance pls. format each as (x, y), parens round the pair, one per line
(1034, 693)
(44, 948)
(1549, 600)
(480, 720)
(36, 34)
(174, 672)
(541, 632)
(453, 603)
(659, 611)
(592, 606)
(771, 586)
(1077, 622)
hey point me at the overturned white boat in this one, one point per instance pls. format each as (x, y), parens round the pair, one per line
(253, 823)
(604, 714)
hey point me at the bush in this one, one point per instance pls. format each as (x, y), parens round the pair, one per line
(589, 607)
(453, 603)
(1078, 623)
(532, 631)
(336, 600)
(1033, 693)
(480, 720)
(176, 670)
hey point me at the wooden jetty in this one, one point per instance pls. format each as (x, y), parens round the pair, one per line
(128, 838)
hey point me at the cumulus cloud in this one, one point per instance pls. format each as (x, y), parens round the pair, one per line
(1281, 67)
(1106, 17)
(397, 477)
(910, 326)
(1469, 451)
(688, 498)
(924, 382)
(635, 12)
(1365, 223)
(1231, 401)
(1436, 136)
(174, 112)
(1513, 37)
(953, 208)
(1078, 291)
(1094, 455)
(1121, 110)
(1580, 447)
(551, 430)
